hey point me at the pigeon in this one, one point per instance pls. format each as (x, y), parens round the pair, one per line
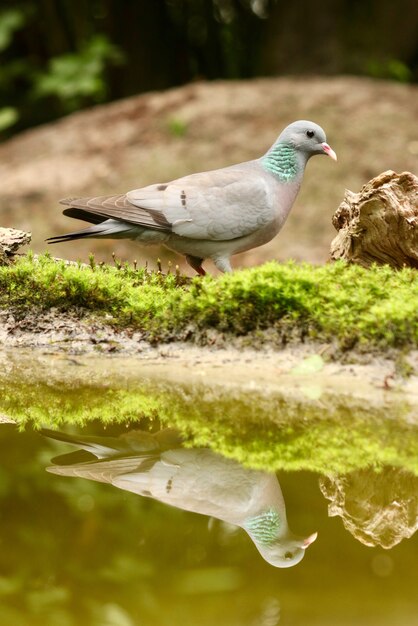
(208, 215)
(194, 479)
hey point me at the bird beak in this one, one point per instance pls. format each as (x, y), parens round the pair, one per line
(307, 542)
(329, 151)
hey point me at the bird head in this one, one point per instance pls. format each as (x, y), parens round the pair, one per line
(286, 552)
(308, 138)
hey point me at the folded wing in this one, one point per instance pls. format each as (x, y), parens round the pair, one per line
(218, 205)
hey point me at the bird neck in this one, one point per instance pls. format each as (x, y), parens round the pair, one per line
(264, 528)
(284, 162)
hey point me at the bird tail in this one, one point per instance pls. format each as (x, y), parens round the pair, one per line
(79, 213)
(102, 458)
(78, 234)
(114, 217)
(100, 447)
(108, 228)
(76, 465)
(135, 442)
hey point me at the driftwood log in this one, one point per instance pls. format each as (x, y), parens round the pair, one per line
(379, 224)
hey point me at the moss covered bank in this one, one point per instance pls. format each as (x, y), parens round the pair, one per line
(355, 307)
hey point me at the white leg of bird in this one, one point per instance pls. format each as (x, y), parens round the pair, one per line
(222, 263)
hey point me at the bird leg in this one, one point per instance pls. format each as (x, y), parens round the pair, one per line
(222, 263)
(196, 263)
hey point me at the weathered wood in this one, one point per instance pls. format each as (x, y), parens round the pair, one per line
(10, 242)
(379, 224)
(11, 239)
(378, 509)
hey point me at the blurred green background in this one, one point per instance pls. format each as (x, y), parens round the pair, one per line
(57, 56)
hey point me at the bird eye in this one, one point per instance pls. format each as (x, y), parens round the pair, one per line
(288, 556)
(310, 133)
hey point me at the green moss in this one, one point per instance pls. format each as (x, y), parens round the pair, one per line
(377, 306)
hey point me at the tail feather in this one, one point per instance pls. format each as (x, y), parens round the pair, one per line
(97, 209)
(131, 443)
(114, 217)
(108, 459)
(104, 471)
(78, 234)
(100, 447)
(108, 228)
(86, 216)
(74, 458)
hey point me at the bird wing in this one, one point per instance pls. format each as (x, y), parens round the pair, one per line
(217, 205)
(196, 480)
(100, 208)
(104, 471)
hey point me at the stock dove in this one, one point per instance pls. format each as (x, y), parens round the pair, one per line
(213, 214)
(198, 480)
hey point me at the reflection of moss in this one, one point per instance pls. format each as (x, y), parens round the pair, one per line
(376, 306)
(41, 405)
(270, 433)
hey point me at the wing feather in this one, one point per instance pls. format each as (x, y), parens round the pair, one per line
(106, 470)
(219, 205)
(115, 207)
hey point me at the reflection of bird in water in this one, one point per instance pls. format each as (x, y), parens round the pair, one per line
(196, 480)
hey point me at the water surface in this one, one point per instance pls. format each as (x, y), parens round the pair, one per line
(74, 551)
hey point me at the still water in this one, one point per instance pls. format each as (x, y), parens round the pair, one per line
(235, 489)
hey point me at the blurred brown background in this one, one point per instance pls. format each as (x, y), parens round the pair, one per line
(288, 61)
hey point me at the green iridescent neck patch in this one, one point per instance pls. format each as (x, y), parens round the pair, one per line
(281, 161)
(264, 528)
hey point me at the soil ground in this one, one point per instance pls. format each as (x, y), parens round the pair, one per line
(56, 338)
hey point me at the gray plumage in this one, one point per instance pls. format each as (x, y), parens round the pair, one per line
(213, 214)
(197, 480)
